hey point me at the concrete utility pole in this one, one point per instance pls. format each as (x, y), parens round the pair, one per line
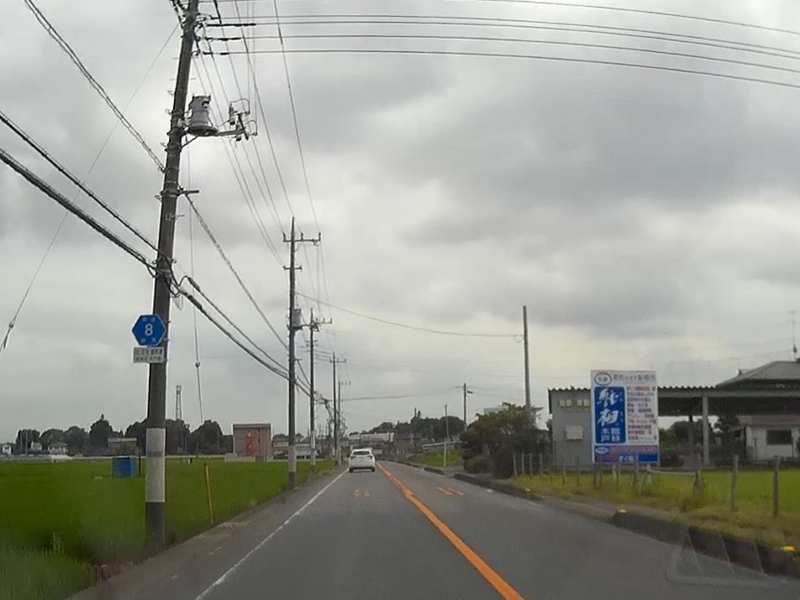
(313, 327)
(339, 411)
(446, 435)
(527, 363)
(334, 361)
(155, 485)
(466, 391)
(295, 323)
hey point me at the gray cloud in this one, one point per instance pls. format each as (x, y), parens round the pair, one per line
(646, 218)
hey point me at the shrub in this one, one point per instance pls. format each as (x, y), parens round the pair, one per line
(670, 458)
(479, 464)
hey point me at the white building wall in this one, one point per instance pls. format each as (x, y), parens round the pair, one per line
(758, 449)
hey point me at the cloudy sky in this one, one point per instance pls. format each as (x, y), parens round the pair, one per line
(647, 218)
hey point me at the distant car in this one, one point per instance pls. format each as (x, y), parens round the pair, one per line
(362, 458)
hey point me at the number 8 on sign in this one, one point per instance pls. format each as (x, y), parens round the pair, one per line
(149, 330)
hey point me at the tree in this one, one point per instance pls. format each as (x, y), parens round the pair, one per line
(177, 436)
(681, 430)
(99, 433)
(50, 437)
(385, 427)
(501, 435)
(25, 437)
(77, 439)
(138, 430)
(727, 425)
(207, 439)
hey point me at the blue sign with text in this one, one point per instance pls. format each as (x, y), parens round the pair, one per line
(624, 417)
(609, 415)
(149, 330)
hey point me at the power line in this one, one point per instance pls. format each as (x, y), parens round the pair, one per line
(77, 182)
(260, 110)
(497, 397)
(382, 36)
(279, 369)
(517, 23)
(63, 201)
(297, 135)
(17, 312)
(45, 188)
(412, 327)
(563, 59)
(534, 24)
(241, 180)
(57, 232)
(294, 115)
(622, 9)
(269, 137)
(229, 335)
(296, 129)
(194, 308)
(274, 212)
(405, 396)
(230, 266)
(53, 33)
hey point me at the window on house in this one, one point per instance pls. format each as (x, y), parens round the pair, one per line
(779, 437)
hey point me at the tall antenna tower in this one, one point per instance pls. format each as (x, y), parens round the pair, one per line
(178, 407)
(793, 314)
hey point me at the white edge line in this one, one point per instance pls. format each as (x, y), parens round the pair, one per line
(263, 542)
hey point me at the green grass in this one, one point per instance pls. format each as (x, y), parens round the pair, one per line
(33, 575)
(436, 459)
(752, 516)
(56, 519)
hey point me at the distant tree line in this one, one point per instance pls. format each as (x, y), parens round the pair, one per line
(487, 445)
(423, 428)
(206, 439)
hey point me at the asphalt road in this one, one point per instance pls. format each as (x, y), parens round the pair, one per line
(402, 533)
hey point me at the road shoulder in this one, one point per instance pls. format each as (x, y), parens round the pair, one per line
(187, 569)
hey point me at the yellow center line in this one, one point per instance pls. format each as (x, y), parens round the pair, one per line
(489, 574)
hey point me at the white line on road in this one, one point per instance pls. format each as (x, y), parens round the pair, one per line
(263, 542)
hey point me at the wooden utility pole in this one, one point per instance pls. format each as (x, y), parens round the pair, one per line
(155, 487)
(295, 324)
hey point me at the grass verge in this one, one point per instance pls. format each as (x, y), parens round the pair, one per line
(57, 521)
(752, 518)
(436, 459)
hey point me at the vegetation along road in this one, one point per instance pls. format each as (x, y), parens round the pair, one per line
(404, 533)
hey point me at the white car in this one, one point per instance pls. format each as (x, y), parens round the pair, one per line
(362, 458)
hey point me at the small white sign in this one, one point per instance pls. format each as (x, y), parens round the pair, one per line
(149, 355)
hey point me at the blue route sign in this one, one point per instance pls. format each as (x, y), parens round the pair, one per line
(149, 330)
